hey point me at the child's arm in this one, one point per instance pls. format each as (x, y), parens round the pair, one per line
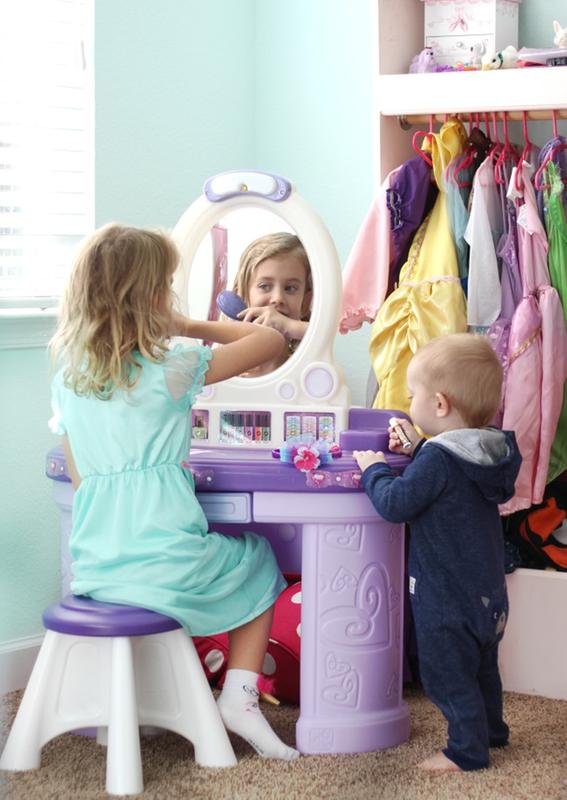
(403, 498)
(245, 345)
(70, 461)
(267, 315)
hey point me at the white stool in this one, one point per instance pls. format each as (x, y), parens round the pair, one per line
(116, 668)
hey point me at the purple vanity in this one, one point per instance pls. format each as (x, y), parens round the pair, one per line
(320, 524)
(307, 502)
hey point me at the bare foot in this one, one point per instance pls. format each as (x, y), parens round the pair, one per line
(440, 763)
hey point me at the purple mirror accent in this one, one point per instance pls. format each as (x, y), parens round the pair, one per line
(82, 616)
(230, 304)
(238, 183)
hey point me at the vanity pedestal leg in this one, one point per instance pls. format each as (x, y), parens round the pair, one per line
(351, 638)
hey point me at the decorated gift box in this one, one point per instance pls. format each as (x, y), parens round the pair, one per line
(453, 27)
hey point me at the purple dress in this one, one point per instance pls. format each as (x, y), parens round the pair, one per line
(409, 199)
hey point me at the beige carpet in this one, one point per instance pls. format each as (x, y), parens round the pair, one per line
(533, 767)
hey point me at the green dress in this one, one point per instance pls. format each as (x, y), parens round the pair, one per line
(556, 226)
(139, 535)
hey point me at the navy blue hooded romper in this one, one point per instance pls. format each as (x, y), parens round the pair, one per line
(450, 494)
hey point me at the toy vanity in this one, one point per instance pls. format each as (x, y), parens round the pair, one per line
(273, 454)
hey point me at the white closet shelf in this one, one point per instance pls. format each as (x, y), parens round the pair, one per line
(534, 88)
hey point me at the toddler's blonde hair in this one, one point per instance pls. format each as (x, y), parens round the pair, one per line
(117, 301)
(273, 245)
(464, 368)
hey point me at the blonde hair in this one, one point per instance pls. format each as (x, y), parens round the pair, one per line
(117, 301)
(464, 368)
(273, 245)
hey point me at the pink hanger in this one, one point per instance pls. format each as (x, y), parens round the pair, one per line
(497, 144)
(526, 152)
(558, 148)
(426, 135)
(470, 152)
(508, 152)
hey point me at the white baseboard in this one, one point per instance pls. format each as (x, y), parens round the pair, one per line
(17, 658)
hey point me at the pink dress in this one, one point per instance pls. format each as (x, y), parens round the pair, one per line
(537, 358)
(366, 273)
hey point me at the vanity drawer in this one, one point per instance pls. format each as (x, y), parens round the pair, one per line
(226, 506)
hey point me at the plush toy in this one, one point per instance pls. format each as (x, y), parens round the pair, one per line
(503, 59)
(424, 61)
(477, 52)
(560, 38)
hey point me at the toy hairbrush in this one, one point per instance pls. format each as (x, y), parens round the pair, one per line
(230, 303)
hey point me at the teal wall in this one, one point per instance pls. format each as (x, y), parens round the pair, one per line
(174, 103)
(184, 89)
(314, 121)
(536, 21)
(29, 532)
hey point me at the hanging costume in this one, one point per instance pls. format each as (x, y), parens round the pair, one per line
(429, 300)
(537, 356)
(556, 225)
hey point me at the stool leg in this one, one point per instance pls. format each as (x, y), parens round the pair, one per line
(123, 759)
(201, 720)
(23, 748)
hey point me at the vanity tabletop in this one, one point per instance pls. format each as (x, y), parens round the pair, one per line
(231, 469)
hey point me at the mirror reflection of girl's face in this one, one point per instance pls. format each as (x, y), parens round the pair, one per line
(280, 281)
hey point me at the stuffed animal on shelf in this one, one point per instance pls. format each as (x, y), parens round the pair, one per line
(424, 61)
(477, 52)
(503, 59)
(560, 38)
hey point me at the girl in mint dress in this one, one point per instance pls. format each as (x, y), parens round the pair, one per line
(122, 400)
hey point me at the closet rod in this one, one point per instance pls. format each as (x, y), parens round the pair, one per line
(406, 120)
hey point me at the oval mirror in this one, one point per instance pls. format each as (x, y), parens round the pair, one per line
(257, 254)
(249, 205)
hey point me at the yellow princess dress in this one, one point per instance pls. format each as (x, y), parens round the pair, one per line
(429, 300)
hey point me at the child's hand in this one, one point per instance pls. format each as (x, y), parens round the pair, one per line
(268, 315)
(395, 443)
(365, 458)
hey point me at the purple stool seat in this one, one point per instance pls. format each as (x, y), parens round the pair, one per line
(83, 616)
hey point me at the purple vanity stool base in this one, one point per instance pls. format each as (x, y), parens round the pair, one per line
(83, 616)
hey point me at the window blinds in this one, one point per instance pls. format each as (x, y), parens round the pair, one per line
(46, 144)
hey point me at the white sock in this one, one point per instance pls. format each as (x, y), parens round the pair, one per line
(238, 706)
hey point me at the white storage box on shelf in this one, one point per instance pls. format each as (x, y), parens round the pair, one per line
(533, 656)
(452, 27)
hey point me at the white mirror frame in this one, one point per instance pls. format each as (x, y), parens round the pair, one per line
(310, 379)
